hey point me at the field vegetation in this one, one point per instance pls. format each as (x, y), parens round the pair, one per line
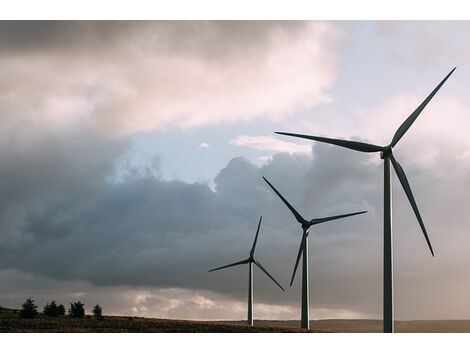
(11, 321)
(28, 319)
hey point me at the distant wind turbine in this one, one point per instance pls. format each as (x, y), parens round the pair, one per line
(250, 261)
(303, 250)
(387, 156)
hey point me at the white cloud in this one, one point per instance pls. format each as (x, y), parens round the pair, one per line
(438, 135)
(171, 303)
(171, 75)
(332, 313)
(204, 145)
(271, 143)
(204, 305)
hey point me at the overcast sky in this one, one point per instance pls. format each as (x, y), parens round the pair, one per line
(131, 156)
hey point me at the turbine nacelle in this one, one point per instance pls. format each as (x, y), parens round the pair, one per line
(387, 151)
(306, 225)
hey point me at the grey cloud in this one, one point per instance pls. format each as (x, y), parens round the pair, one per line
(47, 174)
(208, 39)
(149, 233)
(121, 300)
(163, 74)
(127, 230)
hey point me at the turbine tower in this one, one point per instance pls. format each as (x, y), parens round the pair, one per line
(250, 261)
(303, 250)
(387, 155)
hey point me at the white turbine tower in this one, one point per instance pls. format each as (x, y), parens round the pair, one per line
(387, 156)
(250, 261)
(303, 250)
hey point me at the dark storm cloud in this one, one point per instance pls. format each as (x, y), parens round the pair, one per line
(49, 172)
(72, 94)
(148, 232)
(215, 39)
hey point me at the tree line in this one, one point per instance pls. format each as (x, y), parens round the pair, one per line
(29, 310)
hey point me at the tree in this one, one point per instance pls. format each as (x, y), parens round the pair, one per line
(51, 309)
(28, 309)
(98, 312)
(76, 310)
(60, 310)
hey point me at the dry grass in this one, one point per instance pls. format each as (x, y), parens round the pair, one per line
(369, 325)
(11, 322)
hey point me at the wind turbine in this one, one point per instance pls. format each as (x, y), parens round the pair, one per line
(250, 261)
(303, 250)
(387, 155)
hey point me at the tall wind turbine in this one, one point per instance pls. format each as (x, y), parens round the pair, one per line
(387, 155)
(250, 261)
(303, 250)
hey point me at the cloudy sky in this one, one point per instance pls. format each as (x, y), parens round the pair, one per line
(131, 156)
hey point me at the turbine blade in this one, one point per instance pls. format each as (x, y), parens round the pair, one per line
(269, 275)
(256, 238)
(406, 186)
(331, 218)
(298, 257)
(233, 264)
(299, 218)
(359, 146)
(409, 121)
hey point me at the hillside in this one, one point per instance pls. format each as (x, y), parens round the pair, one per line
(10, 322)
(370, 325)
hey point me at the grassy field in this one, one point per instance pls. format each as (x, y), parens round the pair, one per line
(10, 322)
(365, 325)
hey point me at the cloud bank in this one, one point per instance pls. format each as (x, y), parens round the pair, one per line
(148, 233)
(121, 78)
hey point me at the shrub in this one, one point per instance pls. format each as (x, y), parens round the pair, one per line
(60, 310)
(76, 310)
(98, 312)
(28, 309)
(51, 309)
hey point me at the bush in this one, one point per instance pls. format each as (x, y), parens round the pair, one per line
(76, 310)
(28, 309)
(51, 309)
(60, 310)
(98, 312)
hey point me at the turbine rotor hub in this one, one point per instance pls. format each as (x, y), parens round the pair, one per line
(386, 152)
